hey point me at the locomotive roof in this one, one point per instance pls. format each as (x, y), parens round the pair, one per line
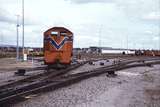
(59, 28)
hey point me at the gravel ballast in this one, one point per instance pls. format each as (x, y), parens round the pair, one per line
(135, 87)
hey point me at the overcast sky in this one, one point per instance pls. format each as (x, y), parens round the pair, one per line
(106, 23)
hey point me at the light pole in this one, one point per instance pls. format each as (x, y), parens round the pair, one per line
(127, 42)
(100, 47)
(1, 38)
(159, 31)
(23, 29)
(100, 30)
(159, 41)
(17, 51)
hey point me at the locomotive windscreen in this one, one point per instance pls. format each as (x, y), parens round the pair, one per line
(54, 33)
(63, 33)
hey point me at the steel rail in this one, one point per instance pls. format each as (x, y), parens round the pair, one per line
(37, 77)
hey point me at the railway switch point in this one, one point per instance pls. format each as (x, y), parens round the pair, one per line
(111, 74)
(91, 63)
(101, 63)
(107, 60)
(20, 72)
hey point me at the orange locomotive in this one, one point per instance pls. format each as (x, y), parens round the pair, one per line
(58, 45)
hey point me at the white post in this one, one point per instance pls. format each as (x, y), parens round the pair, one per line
(100, 30)
(127, 43)
(23, 28)
(17, 38)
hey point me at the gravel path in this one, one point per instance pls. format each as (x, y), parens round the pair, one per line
(135, 87)
(88, 67)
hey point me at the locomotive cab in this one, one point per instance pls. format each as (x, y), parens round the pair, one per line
(58, 45)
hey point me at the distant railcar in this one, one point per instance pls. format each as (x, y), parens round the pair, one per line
(139, 52)
(152, 52)
(58, 45)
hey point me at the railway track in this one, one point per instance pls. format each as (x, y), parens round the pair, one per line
(49, 83)
(40, 76)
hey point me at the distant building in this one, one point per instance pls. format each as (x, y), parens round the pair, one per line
(94, 50)
(76, 50)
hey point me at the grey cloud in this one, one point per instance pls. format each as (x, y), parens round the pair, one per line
(153, 17)
(6, 17)
(8, 1)
(138, 8)
(30, 22)
(89, 1)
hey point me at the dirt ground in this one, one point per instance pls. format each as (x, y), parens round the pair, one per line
(10, 64)
(8, 67)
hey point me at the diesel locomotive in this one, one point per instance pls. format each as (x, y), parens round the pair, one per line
(58, 45)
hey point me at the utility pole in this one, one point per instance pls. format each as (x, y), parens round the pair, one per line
(17, 26)
(100, 30)
(127, 43)
(23, 29)
(159, 32)
(0, 38)
(159, 36)
(159, 41)
(2, 42)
